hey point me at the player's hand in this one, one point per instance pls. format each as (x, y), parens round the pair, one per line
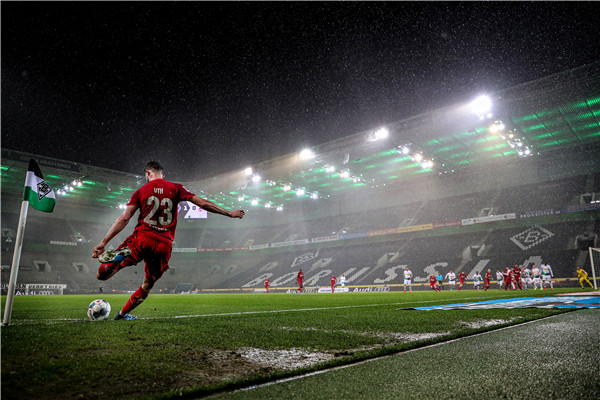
(98, 249)
(237, 214)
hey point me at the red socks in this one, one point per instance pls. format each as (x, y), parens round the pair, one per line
(135, 300)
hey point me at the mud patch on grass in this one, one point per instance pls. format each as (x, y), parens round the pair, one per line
(293, 358)
(487, 322)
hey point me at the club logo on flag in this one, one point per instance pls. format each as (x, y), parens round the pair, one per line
(43, 189)
(531, 237)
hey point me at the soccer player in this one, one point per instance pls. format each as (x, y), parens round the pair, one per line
(433, 282)
(407, 279)
(451, 276)
(583, 276)
(332, 283)
(476, 280)
(500, 278)
(517, 275)
(343, 281)
(507, 275)
(461, 278)
(487, 279)
(537, 280)
(440, 279)
(547, 275)
(526, 276)
(300, 280)
(267, 284)
(152, 237)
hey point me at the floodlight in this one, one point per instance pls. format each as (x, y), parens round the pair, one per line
(287, 188)
(527, 152)
(248, 171)
(306, 154)
(267, 205)
(256, 178)
(345, 174)
(279, 208)
(482, 105)
(314, 196)
(329, 168)
(418, 157)
(241, 198)
(254, 202)
(300, 192)
(380, 133)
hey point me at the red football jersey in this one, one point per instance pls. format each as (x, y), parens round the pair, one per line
(333, 281)
(157, 201)
(300, 277)
(432, 280)
(517, 272)
(462, 276)
(488, 276)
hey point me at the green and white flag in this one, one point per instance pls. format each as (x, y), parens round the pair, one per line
(39, 194)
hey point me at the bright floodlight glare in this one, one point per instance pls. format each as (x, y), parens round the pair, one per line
(381, 133)
(241, 198)
(306, 154)
(482, 105)
(287, 188)
(256, 178)
(300, 192)
(279, 208)
(248, 171)
(345, 174)
(314, 196)
(267, 205)
(329, 168)
(254, 202)
(405, 150)
(527, 152)
(418, 157)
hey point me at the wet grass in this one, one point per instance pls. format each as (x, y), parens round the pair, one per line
(186, 345)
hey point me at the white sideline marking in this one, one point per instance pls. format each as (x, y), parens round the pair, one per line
(323, 371)
(58, 320)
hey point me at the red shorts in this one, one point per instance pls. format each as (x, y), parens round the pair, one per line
(156, 255)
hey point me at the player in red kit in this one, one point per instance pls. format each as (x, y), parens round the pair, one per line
(461, 278)
(433, 282)
(267, 284)
(506, 274)
(487, 279)
(300, 279)
(332, 284)
(152, 238)
(517, 276)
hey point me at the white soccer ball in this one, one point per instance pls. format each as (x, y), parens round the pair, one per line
(98, 310)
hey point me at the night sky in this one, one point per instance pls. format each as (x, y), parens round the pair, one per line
(207, 88)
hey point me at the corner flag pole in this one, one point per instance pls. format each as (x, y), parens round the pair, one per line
(14, 268)
(41, 197)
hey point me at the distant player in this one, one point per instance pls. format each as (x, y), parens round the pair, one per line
(267, 284)
(300, 280)
(487, 280)
(526, 277)
(407, 279)
(517, 275)
(332, 283)
(461, 279)
(451, 277)
(507, 275)
(537, 277)
(583, 276)
(547, 275)
(440, 279)
(476, 280)
(343, 280)
(500, 278)
(433, 282)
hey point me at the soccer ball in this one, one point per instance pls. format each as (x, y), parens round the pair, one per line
(98, 310)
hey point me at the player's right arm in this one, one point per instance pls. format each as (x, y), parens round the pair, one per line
(119, 224)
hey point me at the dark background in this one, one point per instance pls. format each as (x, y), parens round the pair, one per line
(207, 88)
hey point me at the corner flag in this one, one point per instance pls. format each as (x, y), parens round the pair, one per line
(39, 194)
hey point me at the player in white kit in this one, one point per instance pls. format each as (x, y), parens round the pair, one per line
(451, 277)
(537, 280)
(476, 280)
(343, 280)
(547, 275)
(500, 278)
(407, 279)
(526, 277)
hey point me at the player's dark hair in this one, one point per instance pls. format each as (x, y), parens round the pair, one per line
(154, 166)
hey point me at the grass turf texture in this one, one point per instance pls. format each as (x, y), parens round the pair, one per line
(189, 345)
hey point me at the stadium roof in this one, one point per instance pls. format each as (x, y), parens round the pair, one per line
(553, 115)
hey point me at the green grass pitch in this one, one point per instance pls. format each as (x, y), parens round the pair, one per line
(192, 345)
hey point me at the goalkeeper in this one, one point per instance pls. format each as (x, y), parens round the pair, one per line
(583, 276)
